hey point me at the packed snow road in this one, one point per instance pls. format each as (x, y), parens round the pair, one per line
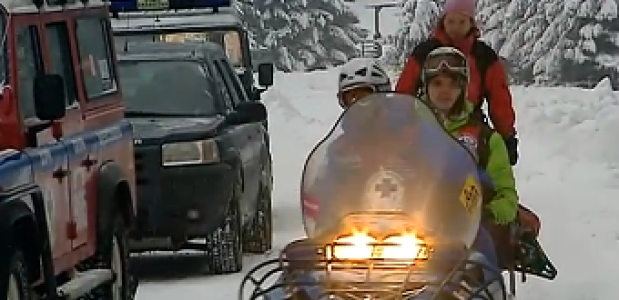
(568, 173)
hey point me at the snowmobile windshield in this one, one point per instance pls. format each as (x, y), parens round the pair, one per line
(388, 167)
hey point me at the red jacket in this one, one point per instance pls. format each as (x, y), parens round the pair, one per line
(500, 106)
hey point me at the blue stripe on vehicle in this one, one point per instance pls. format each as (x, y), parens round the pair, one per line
(18, 167)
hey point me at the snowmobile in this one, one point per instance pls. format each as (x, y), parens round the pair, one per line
(391, 205)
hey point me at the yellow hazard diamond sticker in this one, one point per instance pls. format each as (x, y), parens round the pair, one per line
(471, 194)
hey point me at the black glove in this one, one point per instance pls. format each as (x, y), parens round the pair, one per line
(511, 142)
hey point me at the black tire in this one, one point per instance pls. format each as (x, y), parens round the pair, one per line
(113, 253)
(18, 287)
(225, 245)
(258, 234)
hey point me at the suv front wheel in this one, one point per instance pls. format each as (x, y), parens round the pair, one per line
(225, 249)
(258, 234)
(18, 288)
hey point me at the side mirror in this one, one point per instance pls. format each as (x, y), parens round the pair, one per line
(49, 97)
(248, 112)
(265, 74)
(256, 94)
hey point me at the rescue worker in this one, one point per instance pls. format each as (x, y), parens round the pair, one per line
(360, 77)
(488, 79)
(445, 76)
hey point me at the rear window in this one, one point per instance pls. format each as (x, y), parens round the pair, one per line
(167, 88)
(229, 39)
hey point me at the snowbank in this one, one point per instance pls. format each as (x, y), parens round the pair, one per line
(581, 123)
(604, 84)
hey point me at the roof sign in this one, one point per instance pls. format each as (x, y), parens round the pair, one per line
(150, 5)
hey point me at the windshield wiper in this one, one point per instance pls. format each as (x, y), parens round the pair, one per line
(137, 113)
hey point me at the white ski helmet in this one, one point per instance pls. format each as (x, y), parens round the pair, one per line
(362, 72)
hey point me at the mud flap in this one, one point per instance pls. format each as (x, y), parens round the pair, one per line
(533, 260)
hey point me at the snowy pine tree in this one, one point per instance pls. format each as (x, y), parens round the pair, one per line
(339, 32)
(418, 19)
(591, 49)
(524, 25)
(303, 34)
(554, 42)
(283, 20)
(491, 16)
(549, 49)
(252, 21)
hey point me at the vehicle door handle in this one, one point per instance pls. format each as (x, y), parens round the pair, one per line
(61, 173)
(89, 162)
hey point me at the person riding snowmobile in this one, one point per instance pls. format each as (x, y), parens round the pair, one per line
(487, 76)
(445, 75)
(355, 82)
(513, 227)
(363, 76)
(350, 80)
(360, 77)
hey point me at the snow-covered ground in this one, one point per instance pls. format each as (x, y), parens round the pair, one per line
(568, 173)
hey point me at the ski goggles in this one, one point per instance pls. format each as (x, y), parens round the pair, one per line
(449, 62)
(350, 95)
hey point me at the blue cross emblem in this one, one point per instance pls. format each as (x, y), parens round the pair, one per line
(386, 187)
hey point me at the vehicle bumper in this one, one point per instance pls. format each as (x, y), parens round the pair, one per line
(181, 202)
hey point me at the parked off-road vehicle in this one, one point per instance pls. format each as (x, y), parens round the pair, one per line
(67, 184)
(201, 155)
(207, 21)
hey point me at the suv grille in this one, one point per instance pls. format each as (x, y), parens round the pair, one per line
(147, 163)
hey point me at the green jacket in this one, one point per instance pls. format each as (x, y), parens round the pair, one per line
(498, 168)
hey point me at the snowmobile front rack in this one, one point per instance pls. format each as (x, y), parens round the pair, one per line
(303, 272)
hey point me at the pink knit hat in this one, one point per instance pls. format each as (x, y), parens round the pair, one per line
(466, 7)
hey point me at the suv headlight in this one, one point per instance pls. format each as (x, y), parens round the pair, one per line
(190, 153)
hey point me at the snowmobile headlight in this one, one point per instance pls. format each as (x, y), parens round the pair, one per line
(405, 246)
(356, 246)
(362, 246)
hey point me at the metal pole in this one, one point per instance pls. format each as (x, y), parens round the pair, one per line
(377, 9)
(377, 34)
